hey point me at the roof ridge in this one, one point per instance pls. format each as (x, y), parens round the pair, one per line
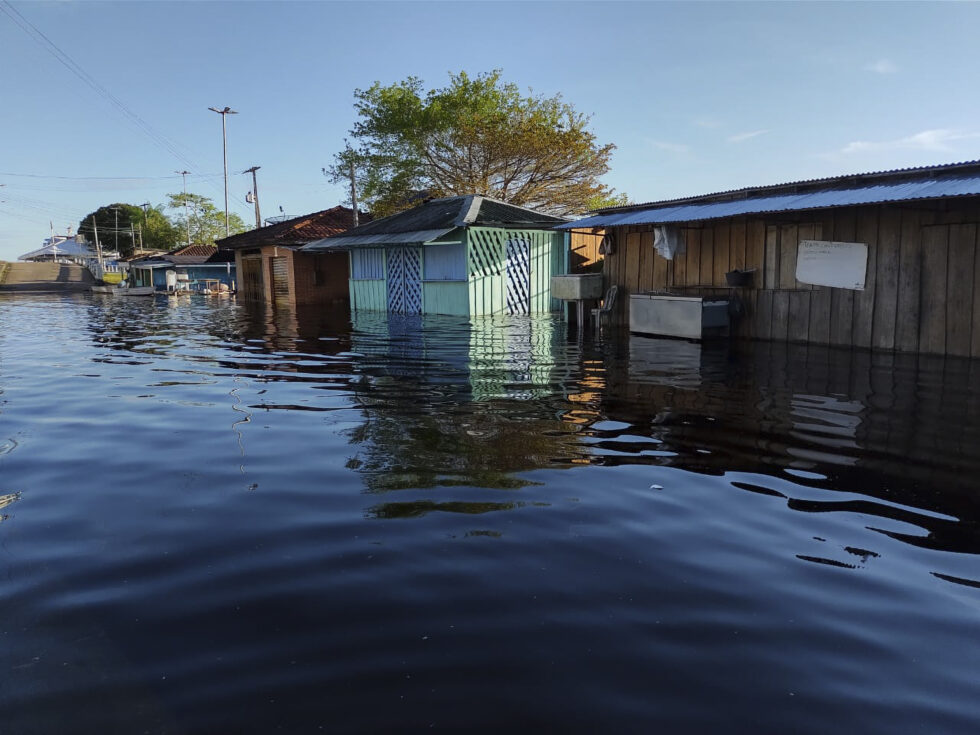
(773, 188)
(470, 210)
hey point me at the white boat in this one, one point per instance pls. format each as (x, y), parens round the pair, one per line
(124, 290)
(135, 291)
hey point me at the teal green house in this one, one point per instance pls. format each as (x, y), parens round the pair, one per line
(462, 256)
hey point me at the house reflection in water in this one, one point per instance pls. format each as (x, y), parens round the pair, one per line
(884, 434)
(459, 415)
(450, 404)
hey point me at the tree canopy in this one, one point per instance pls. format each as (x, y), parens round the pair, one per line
(120, 226)
(478, 135)
(207, 222)
(159, 231)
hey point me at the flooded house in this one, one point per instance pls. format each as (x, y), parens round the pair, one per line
(884, 260)
(272, 268)
(463, 255)
(190, 268)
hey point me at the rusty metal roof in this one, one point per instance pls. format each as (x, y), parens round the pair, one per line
(297, 231)
(935, 182)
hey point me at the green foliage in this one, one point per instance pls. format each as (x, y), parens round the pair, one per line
(206, 221)
(478, 135)
(611, 199)
(120, 226)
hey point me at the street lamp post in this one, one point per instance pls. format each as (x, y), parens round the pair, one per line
(224, 147)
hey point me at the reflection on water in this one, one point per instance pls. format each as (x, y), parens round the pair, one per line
(219, 518)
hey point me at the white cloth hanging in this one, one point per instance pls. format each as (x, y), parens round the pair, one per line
(667, 241)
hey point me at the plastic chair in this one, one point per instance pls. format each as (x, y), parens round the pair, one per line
(608, 304)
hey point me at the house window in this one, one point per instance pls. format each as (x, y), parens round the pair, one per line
(367, 264)
(445, 262)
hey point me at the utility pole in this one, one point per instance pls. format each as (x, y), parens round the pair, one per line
(224, 147)
(98, 247)
(255, 194)
(187, 222)
(353, 191)
(116, 210)
(132, 236)
(145, 206)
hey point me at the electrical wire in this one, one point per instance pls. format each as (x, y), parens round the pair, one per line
(159, 139)
(65, 60)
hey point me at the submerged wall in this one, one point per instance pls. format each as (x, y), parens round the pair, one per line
(280, 274)
(485, 278)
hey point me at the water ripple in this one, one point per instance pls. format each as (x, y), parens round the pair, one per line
(234, 520)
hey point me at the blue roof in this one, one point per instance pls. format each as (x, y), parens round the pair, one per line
(931, 185)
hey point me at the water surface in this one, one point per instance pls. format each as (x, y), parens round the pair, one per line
(221, 520)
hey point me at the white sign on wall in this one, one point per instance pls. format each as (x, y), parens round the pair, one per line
(834, 264)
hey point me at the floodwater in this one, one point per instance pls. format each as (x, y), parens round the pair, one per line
(214, 521)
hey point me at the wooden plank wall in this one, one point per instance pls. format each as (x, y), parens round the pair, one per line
(584, 247)
(922, 276)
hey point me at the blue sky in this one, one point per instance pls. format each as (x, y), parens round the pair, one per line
(698, 97)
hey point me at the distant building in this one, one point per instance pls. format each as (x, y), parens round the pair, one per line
(61, 248)
(273, 269)
(74, 249)
(464, 255)
(190, 268)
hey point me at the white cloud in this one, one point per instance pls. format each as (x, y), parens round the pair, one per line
(882, 66)
(707, 122)
(668, 146)
(928, 140)
(738, 138)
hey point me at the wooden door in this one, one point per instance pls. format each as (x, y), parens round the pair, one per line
(252, 278)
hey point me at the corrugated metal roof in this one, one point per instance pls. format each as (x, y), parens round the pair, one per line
(933, 187)
(494, 212)
(919, 172)
(296, 231)
(435, 218)
(154, 264)
(378, 240)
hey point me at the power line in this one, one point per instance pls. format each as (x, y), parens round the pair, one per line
(65, 60)
(102, 178)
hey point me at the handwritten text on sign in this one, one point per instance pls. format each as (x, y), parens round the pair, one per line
(834, 264)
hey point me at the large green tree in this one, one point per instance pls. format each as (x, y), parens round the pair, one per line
(205, 222)
(121, 225)
(478, 135)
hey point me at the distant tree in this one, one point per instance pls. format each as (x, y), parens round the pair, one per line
(612, 199)
(207, 222)
(478, 135)
(122, 224)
